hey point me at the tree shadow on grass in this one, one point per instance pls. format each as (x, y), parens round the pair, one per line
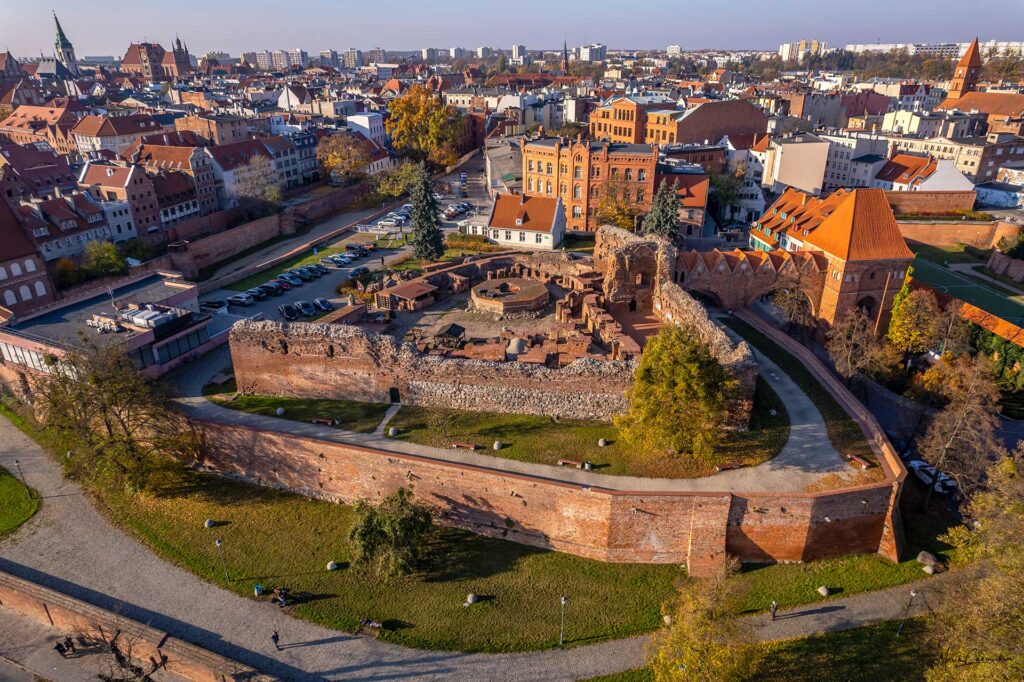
(452, 554)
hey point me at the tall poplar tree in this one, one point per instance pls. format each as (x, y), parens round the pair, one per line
(427, 239)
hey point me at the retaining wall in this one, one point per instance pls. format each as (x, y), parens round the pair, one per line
(1004, 265)
(70, 615)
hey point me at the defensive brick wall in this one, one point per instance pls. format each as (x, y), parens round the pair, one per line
(190, 257)
(339, 361)
(931, 202)
(698, 529)
(72, 616)
(983, 235)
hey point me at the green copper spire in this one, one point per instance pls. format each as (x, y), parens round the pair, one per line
(62, 40)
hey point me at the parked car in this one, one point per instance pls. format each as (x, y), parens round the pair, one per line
(318, 268)
(323, 304)
(340, 261)
(370, 246)
(270, 289)
(306, 308)
(407, 207)
(288, 311)
(361, 270)
(241, 299)
(256, 293)
(387, 222)
(303, 274)
(290, 279)
(213, 305)
(282, 283)
(327, 261)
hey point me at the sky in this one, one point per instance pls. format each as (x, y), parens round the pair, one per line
(26, 28)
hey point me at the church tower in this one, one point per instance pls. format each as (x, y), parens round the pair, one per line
(965, 76)
(64, 50)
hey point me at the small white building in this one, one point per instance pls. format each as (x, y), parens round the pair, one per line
(370, 124)
(524, 222)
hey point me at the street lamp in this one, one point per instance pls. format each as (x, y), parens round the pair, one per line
(561, 631)
(223, 563)
(913, 593)
(28, 491)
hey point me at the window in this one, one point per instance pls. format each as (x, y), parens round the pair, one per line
(26, 293)
(538, 238)
(10, 298)
(15, 270)
(522, 236)
(529, 185)
(40, 288)
(577, 172)
(641, 174)
(3, 272)
(549, 168)
(529, 165)
(508, 235)
(640, 196)
(629, 173)
(547, 187)
(615, 172)
(577, 192)
(494, 234)
(577, 212)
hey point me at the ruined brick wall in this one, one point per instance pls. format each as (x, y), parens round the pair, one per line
(982, 235)
(677, 307)
(931, 202)
(1004, 265)
(644, 527)
(338, 361)
(632, 266)
(189, 259)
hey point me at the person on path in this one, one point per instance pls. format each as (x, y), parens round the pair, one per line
(774, 608)
(69, 645)
(275, 638)
(59, 648)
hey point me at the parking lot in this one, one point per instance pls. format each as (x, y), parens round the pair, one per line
(327, 285)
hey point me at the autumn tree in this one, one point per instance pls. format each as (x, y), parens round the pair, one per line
(706, 641)
(388, 538)
(854, 349)
(427, 238)
(914, 326)
(397, 181)
(961, 436)
(423, 126)
(257, 189)
(102, 259)
(978, 635)
(678, 399)
(121, 427)
(663, 219)
(616, 203)
(343, 156)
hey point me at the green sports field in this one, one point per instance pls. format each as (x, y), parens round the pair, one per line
(1010, 308)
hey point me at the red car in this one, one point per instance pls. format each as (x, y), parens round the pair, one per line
(281, 283)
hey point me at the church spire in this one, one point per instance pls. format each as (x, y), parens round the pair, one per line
(62, 40)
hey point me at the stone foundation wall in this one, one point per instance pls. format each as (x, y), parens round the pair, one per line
(337, 361)
(698, 529)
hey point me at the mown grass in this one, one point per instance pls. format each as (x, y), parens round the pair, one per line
(16, 506)
(273, 538)
(350, 414)
(583, 243)
(532, 438)
(958, 253)
(844, 433)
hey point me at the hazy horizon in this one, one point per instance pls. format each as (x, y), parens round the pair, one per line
(319, 25)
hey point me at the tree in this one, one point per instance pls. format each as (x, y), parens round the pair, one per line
(423, 126)
(103, 259)
(121, 428)
(67, 273)
(794, 305)
(137, 248)
(615, 204)
(961, 437)
(726, 188)
(388, 537)
(678, 399)
(663, 219)
(256, 182)
(397, 181)
(914, 326)
(343, 155)
(571, 129)
(854, 350)
(706, 640)
(427, 238)
(978, 636)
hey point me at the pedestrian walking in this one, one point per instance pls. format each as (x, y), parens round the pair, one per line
(59, 648)
(69, 645)
(774, 608)
(275, 638)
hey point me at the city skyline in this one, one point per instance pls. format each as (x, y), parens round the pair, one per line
(30, 29)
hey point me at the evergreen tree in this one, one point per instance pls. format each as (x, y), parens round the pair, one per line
(664, 216)
(427, 239)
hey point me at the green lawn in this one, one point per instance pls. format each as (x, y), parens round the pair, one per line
(304, 258)
(274, 538)
(532, 438)
(16, 507)
(981, 295)
(960, 253)
(351, 415)
(843, 432)
(584, 243)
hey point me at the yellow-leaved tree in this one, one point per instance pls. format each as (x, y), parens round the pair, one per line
(914, 327)
(343, 156)
(423, 126)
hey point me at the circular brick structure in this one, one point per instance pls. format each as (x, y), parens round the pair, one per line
(510, 295)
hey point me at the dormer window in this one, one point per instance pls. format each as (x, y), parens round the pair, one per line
(519, 221)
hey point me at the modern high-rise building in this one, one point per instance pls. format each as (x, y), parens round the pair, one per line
(298, 57)
(483, 52)
(428, 54)
(279, 60)
(377, 55)
(673, 50)
(457, 53)
(518, 51)
(352, 58)
(329, 58)
(265, 60)
(250, 58)
(802, 49)
(595, 52)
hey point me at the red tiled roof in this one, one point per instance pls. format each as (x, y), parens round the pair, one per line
(998, 103)
(907, 169)
(14, 243)
(111, 126)
(521, 212)
(862, 227)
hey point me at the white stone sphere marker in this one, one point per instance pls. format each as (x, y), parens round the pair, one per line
(393, 431)
(208, 523)
(498, 445)
(823, 591)
(279, 411)
(602, 443)
(332, 566)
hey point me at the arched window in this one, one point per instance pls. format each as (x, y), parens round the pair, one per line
(10, 298)
(26, 293)
(30, 265)
(15, 269)
(40, 288)
(3, 272)
(547, 187)
(577, 192)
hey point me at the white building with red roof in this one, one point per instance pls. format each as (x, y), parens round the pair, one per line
(518, 221)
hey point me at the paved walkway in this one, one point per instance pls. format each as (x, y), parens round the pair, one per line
(69, 546)
(807, 456)
(972, 270)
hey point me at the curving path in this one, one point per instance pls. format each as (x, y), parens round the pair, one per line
(69, 546)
